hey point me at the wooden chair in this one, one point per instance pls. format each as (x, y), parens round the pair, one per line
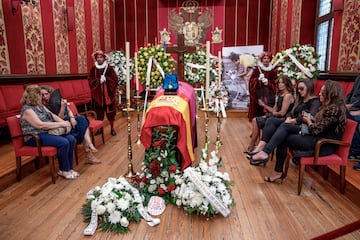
(21, 149)
(94, 124)
(339, 158)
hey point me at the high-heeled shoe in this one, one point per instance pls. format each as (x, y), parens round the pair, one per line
(259, 161)
(250, 153)
(91, 159)
(281, 177)
(91, 148)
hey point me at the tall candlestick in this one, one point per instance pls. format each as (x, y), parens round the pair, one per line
(207, 81)
(127, 55)
(220, 67)
(136, 73)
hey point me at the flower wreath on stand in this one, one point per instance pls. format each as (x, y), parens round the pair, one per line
(117, 60)
(195, 67)
(297, 62)
(164, 59)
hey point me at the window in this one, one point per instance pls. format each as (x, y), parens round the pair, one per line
(324, 26)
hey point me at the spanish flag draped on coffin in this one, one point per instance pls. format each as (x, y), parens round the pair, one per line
(176, 110)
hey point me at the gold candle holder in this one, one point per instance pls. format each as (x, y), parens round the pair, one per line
(206, 114)
(137, 97)
(218, 142)
(130, 172)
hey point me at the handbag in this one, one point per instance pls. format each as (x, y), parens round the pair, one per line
(57, 131)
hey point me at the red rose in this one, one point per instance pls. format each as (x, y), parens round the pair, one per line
(154, 168)
(161, 191)
(171, 187)
(144, 179)
(172, 168)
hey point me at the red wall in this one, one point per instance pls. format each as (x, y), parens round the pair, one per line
(241, 21)
(29, 35)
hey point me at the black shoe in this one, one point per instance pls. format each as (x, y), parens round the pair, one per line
(281, 177)
(259, 162)
(113, 133)
(250, 153)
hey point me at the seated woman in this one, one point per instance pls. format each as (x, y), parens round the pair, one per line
(305, 102)
(36, 118)
(329, 123)
(79, 124)
(284, 103)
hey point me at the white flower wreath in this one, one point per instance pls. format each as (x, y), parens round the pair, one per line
(195, 70)
(117, 60)
(297, 62)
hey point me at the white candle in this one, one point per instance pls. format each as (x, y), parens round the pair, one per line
(207, 81)
(127, 57)
(136, 73)
(220, 67)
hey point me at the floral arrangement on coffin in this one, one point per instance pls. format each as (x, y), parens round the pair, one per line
(195, 67)
(115, 206)
(164, 59)
(297, 62)
(160, 168)
(218, 92)
(117, 60)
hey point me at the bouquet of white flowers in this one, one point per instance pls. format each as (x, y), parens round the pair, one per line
(115, 205)
(189, 196)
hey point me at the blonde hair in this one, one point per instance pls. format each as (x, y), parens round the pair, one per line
(31, 95)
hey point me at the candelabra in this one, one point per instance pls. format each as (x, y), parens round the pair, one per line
(137, 97)
(218, 142)
(130, 172)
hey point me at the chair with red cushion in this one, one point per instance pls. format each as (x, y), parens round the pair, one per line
(339, 158)
(94, 124)
(21, 149)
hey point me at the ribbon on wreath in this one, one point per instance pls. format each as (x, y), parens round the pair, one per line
(147, 84)
(288, 53)
(206, 192)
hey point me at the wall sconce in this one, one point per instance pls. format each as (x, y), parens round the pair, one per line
(15, 6)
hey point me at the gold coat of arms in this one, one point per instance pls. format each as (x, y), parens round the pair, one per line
(191, 22)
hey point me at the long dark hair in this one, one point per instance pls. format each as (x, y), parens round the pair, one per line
(309, 88)
(334, 98)
(287, 82)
